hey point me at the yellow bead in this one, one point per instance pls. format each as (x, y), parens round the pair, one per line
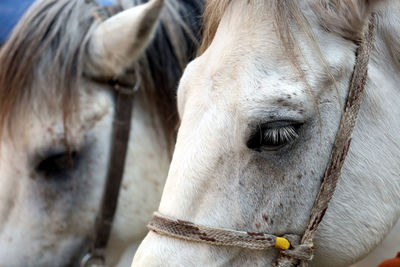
(282, 243)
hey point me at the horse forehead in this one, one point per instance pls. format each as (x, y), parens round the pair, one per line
(44, 118)
(242, 64)
(246, 60)
(243, 79)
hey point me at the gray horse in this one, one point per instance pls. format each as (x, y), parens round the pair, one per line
(58, 71)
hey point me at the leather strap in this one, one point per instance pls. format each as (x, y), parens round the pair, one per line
(116, 166)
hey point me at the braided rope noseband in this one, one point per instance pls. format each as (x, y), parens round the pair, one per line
(293, 247)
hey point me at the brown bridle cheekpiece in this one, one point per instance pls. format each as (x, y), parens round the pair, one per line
(294, 249)
(116, 165)
(124, 100)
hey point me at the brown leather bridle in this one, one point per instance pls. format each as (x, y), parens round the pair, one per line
(116, 165)
(295, 249)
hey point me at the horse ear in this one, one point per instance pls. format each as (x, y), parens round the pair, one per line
(121, 39)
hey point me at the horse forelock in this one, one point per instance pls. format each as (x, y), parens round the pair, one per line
(48, 45)
(346, 18)
(45, 47)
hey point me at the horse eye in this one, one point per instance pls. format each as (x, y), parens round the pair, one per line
(274, 136)
(58, 164)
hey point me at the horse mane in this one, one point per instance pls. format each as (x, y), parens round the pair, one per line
(48, 45)
(346, 18)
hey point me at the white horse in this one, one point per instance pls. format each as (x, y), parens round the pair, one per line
(57, 73)
(260, 109)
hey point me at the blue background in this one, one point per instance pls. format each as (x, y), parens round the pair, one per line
(10, 12)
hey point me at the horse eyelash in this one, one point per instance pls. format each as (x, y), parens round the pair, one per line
(280, 135)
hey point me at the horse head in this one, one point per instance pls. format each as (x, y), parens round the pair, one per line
(59, 70)
(260, 109)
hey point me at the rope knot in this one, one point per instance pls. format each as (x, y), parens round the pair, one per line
(304, 252)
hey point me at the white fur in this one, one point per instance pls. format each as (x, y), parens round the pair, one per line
(214, 179)
(387, 249)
